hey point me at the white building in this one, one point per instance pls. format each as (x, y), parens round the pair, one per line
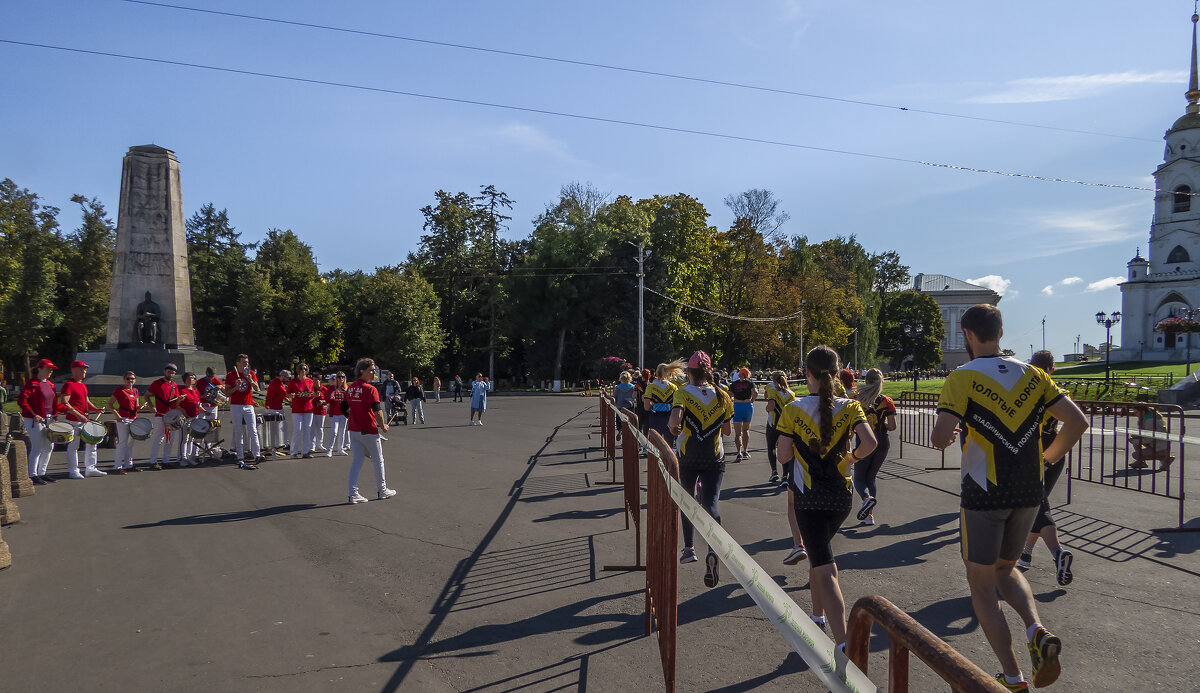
(953, 296)
(1168, 281)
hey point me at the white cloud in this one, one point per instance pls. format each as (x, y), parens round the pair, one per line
(534, 140)
(1106, 283)
(1068, 231)
(1068, 87)
(994, 282)
(1071, 280)
(1048, 290)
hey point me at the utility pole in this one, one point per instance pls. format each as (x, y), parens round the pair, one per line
(802, 302)
(1043, 333)
(641, 258)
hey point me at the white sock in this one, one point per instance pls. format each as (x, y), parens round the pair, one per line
(1017, 679)
(819, 620)
(1031, 630)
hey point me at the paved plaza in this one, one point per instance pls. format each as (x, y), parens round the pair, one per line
(485, 574)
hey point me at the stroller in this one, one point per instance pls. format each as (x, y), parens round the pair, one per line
(399, 410)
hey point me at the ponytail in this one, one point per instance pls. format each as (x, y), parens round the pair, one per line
(822, 364)
(869, 390)
(779, 378)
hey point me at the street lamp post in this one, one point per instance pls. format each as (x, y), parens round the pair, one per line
(802, 302)
(1108, 322)
(914, 331)
(641, 258)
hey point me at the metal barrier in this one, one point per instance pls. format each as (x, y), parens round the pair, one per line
(662, 567)
(630, 470)
(1127, 449)
(608, 436)
(917, 412)
(906, 635)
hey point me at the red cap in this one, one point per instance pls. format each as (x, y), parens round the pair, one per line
(46, 363)
(699, 360)
(79, 364)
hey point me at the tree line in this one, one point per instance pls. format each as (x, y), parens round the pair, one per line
(468, 298)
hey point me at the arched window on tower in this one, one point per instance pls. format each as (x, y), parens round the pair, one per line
(1178, 254)
(1183, 199)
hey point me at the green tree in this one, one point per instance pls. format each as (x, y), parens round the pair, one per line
(682, 269)
(29, 246)
(89, 264)
(217, 262)
(349, 293)
(891, 277)
(403, 330)
(915, 328)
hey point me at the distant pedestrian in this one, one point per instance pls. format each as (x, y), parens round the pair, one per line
(457, 388)
(390, 387)
(479, 390)
(320, 402)
(437, 390)
(414, 394)
(625, 397)
(339, 443)
(881, 417)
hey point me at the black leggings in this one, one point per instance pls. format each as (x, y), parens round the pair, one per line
(710, 490)
(866, 469)
(659, 422)
(772, 440)
(1049, 478)
(818, 528)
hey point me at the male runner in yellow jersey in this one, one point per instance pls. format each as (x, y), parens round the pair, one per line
(1000, 402)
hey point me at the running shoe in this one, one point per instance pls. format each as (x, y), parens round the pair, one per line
(358, 498)
(93, 472)
(386, 494)
(1025, 562)
(1062, 565)
(1018, 686)
(774, 478)
(1043, 652)
(688, 555)
(785, 481)
(746, 455)
(712, 573)
(74, 474)
(796, 555)
(869, 521)
(867, 505)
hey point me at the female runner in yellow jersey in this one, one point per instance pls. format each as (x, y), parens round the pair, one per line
(660, 393)
(816, 432)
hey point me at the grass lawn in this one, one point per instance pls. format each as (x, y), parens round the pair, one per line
(1132, 367)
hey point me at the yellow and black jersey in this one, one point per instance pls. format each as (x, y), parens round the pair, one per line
(1001, 402)
(820, 476)
(877, 415)
(661, 394)
(1049, 431)
(699, 443)
(781, 398)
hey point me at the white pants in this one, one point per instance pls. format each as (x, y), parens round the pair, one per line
(417, 411)
(40, 446)
(89, 450)
(245, 429)
(369, 445)
(301, 435)
(208, 412)
(186, 448)
(158, 437)
(337, 433)
(277, 431)
(318, 431)
(123, 455)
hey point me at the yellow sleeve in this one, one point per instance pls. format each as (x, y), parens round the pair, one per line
(728, 409)
(954, 394)
(678, 398)
(786, 422)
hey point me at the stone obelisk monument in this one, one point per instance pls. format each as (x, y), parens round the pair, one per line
(150, 300)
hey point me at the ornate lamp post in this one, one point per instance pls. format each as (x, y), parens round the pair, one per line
(1108, 322)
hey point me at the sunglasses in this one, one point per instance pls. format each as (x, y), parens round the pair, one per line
(130, 380)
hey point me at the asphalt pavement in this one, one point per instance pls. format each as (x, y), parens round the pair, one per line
(485, 574)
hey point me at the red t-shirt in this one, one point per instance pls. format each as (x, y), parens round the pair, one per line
(77, 396)
(127, 402)
(37, 399)
(243, 391)
(362, 397)
(276, 391)
(336, 396)
(202, 386)
(191, 402)
(163, 392)
(302, 404)
(319, 400)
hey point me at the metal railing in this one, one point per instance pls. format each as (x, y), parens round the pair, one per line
(906, 635)
(917, 413)
(630, 470)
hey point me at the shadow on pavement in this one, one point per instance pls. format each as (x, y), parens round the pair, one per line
(235, 516)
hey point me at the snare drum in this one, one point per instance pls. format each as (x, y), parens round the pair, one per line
(199, 428)
(92, 432)
(173, 419)
(270, 417)
(215, 395)
(139, 429)
(59, 432)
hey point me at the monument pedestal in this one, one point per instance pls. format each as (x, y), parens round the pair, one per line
(109, 364)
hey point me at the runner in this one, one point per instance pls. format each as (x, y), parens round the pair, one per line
(37, 405)
(1043, 525)
(73, 398)
(778, 395)
(700, 414)
(816, 431)
(337, 418)
(124, 404)
(625, 397)
(660, 393)
(881, 416)
(366, 420)
(240, 386)
(743, 393)
(1000, 403)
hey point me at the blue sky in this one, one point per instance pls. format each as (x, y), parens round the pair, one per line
(348, 169)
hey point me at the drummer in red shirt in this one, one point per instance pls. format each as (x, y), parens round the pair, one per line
(365, 421)
(302, 389)
(37, 405)
(73, 399)
(240, 386)
(276, 421)
(208, 387)
(190, 404)
(164, 395)
(124, 403)
(318, 422)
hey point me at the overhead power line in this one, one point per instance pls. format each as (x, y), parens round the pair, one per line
(631, 70)
(793, 316)
(580, 116)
